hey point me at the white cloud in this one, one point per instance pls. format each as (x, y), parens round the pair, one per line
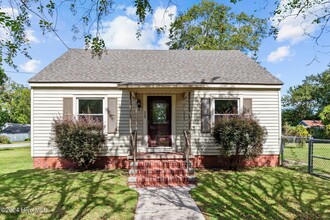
(295, 27)
(164, 18)
(12, 12)
(5, 32)
(30, 66)
(278, 75)
(279, 55)
(120, 33)
(31, 36)
(130, 11)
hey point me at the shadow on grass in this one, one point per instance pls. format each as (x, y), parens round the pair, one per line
(6, 149)
(267, 193)
(64, 194)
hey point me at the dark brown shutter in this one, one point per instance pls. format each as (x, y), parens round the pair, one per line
(112, 115)
(206, 115)
(67, 108)
(247, 106)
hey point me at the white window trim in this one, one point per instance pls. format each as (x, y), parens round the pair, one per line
(239, 101)
(91, 97)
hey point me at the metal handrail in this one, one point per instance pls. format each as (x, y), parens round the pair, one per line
(187, 148)
(133, 142)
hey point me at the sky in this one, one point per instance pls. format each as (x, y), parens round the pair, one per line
(288, 57)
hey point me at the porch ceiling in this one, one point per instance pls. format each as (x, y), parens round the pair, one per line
(156, 90)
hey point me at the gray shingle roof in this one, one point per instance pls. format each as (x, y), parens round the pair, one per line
(156, 66)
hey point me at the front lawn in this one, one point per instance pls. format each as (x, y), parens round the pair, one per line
(14, 159)
(298, 156)
(28, 193)
(263, 193)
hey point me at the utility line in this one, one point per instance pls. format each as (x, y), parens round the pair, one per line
(10, 71)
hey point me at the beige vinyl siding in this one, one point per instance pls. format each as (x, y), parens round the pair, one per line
(48, 103)
(265, 106)
(182, 119)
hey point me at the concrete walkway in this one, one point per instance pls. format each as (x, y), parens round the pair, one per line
(13, 145)
(170, 203)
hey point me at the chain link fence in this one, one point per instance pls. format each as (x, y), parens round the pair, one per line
(319, 157)
(306, 155)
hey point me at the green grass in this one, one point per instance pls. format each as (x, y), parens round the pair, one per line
(300, 154)
(60, 194)
(264, 193)
(14, 159)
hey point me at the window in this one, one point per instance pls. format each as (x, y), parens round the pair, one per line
(90, 108)
(225, 107)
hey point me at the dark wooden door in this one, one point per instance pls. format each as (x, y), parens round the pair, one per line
(159, 121)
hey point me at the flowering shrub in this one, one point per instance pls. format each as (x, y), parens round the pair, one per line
(79, 140)
(239, 137)
(4, 139)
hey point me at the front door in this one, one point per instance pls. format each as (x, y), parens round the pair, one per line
(159, 121)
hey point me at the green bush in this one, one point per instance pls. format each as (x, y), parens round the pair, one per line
(299, 132)
(327, 131)
(27, 139)
(318, 132)
(79, 140)
(325, 115)
(4, 139)
(240, 137)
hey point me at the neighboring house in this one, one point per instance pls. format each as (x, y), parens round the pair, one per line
(311, 124)
(16, 132)
(158, 93)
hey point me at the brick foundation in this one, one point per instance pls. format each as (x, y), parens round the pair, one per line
(101, 163)
(222, 162)
(123, 163)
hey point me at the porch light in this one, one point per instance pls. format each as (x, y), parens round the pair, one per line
(138, 104)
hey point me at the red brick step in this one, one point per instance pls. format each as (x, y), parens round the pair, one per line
(159, 172)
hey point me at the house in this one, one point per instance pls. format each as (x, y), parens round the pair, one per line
(170, 98)
(16, 132)
(311, 124)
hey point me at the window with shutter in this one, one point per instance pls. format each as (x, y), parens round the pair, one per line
(112, 115)
(225, 108)
(90, 108)
(205, 115)
(67, 108)
(247, 106)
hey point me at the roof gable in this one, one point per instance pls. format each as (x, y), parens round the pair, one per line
(312, 123)
(156, 67)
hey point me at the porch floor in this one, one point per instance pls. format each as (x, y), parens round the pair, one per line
(160, 155)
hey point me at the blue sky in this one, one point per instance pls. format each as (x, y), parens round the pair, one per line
(286, 57)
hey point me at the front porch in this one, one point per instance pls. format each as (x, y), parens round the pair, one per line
(160, 154)
(160, 118)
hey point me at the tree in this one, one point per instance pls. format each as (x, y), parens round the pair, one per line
(325, 115)
(88, 13)
(210, 26)
(307, 100)
(91, 14)
(3, 79)
(15, 103)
